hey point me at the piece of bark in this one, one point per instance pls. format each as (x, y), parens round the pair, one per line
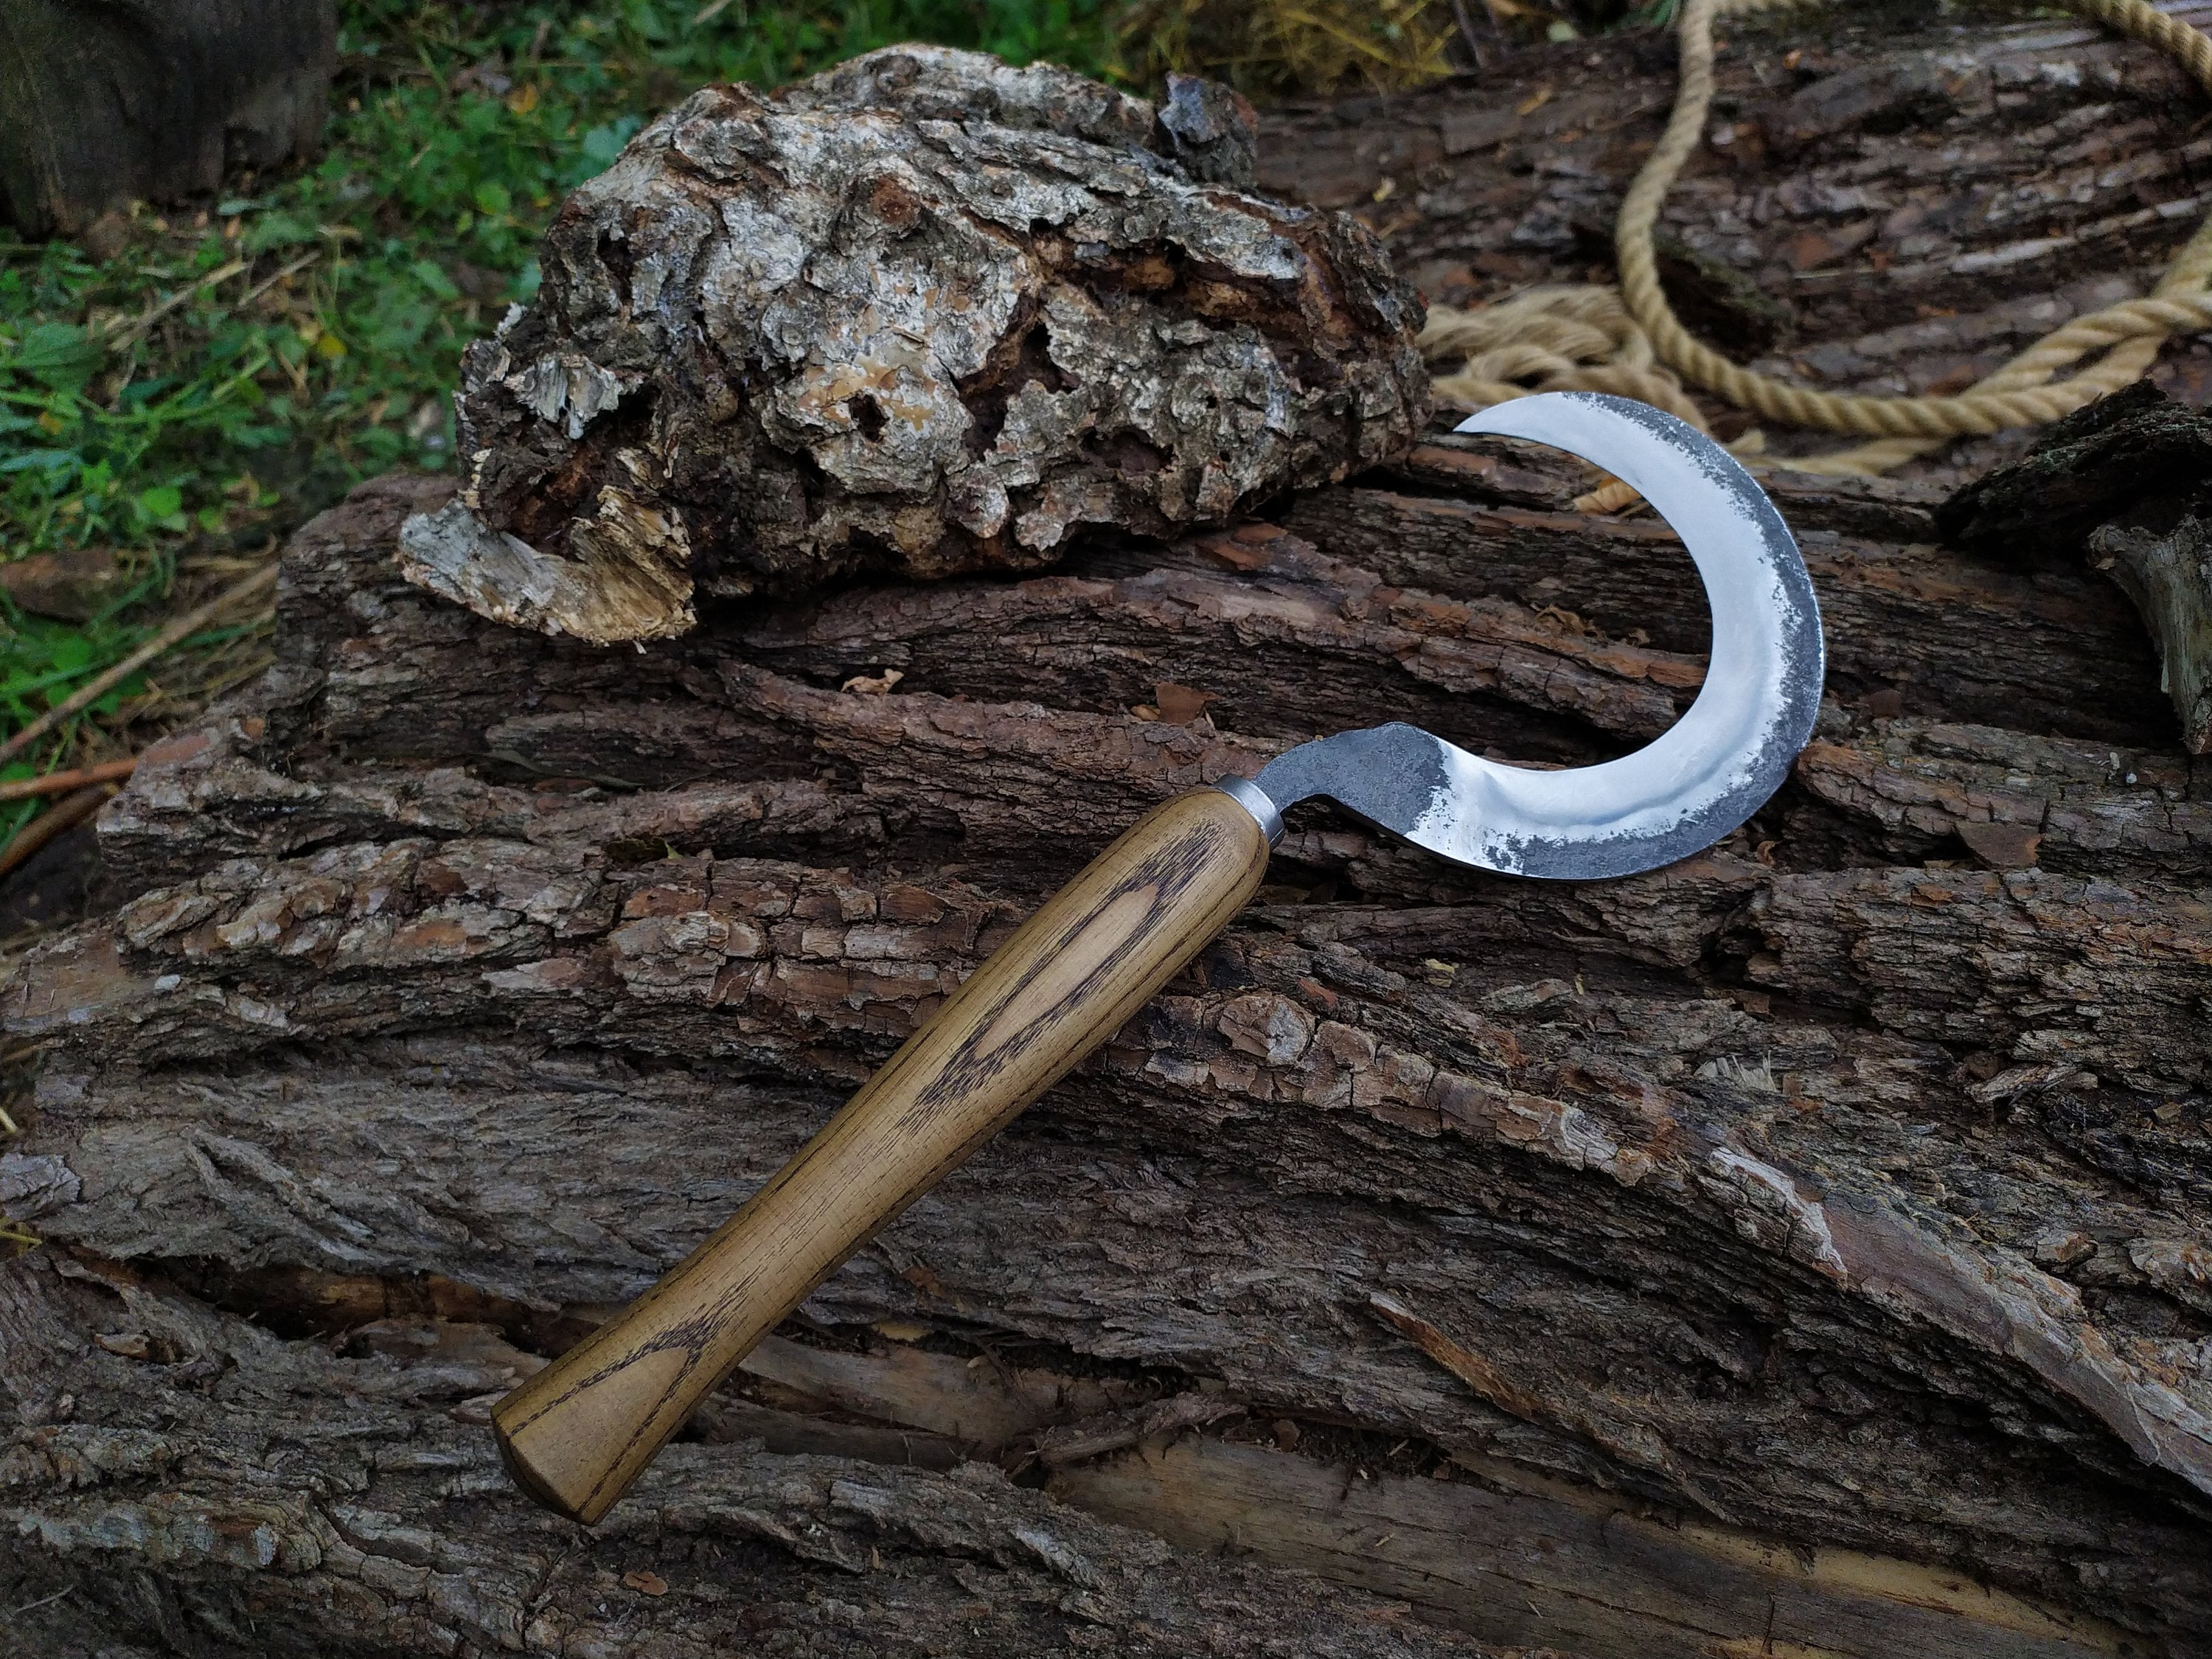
(2134, 446)
(1398, 1519)
(2126, 481)
(1213, 131)
(106, 101)
(2046, 649)
(922, 313)
(2160, 554)
(2124, 812)
(1588, 1577)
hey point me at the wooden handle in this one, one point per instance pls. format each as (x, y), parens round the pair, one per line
(576, 1434)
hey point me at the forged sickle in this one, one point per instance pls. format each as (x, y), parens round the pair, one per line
(576, 1434)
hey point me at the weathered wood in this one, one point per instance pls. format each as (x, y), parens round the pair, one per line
(1742, 1073)
(1894, 197)
(176, 1443)
(103, 101)
(1807, 1241)
(2128, 483)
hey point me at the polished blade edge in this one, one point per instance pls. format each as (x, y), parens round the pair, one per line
(1697, 781)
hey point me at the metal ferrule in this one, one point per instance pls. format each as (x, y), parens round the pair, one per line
(1254, 800)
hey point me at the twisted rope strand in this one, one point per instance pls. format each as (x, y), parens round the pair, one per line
(2180, 301)
(1631, 341)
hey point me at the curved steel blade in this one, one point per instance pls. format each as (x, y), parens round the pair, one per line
(1701, 778)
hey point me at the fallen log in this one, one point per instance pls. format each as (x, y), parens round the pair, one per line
(1799, 1250)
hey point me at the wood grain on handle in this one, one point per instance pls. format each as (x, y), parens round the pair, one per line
(575, 1435)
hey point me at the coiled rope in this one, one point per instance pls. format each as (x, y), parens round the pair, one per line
(1629, 341)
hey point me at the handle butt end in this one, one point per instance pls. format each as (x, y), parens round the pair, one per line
(526, 1475)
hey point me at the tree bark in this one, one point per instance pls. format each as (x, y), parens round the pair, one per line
(1799, 1250)
(106, 101)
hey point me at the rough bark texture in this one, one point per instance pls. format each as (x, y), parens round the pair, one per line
(174, 1442)
(923, 313)
(104, 101)
(1801, 1251)
(2128, 483)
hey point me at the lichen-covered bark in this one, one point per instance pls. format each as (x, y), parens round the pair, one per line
(922, 313)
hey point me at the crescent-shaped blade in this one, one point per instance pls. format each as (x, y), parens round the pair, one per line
(1680, 793)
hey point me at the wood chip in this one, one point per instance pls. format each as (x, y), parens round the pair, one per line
(2006, 845)
(1179, 705)
(874, 685)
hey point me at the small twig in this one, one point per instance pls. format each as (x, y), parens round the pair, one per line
(123, 331)
(65, 815)
(263, 286)
(60, 783)
(1466, 34)
(182, 628)
(7, 1124)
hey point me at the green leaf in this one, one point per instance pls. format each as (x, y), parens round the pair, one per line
(433, 277)
(61, 354)
(602, 144)
(493, 197)
(274, 230)
(50, 460)
(71, 652)
(162, 505)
